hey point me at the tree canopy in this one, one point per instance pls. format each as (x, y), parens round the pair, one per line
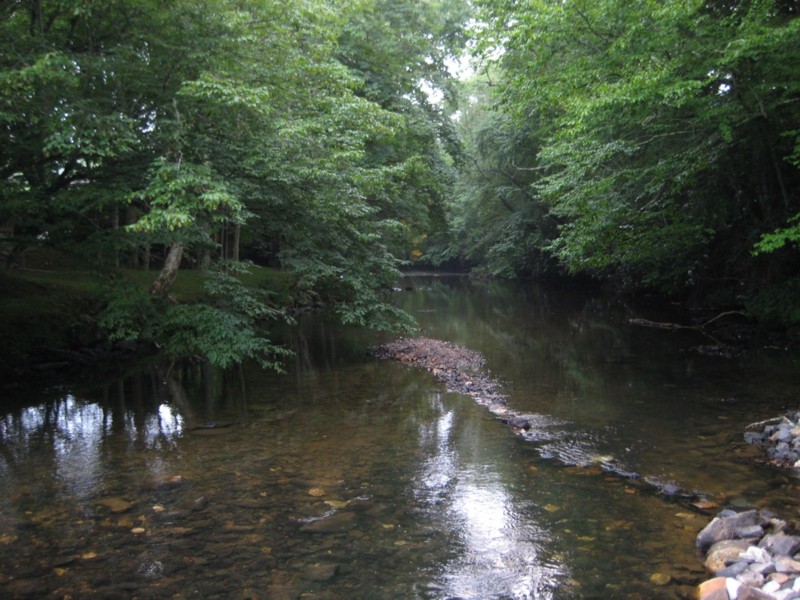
(654, 145)
(661, 137)
(293, 134)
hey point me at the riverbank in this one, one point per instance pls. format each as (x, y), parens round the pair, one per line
(49, 317)
(780, 439)
(752, 555)
(755, 554)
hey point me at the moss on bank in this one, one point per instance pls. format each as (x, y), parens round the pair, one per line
(45, 314)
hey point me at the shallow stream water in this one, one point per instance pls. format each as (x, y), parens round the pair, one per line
(348, 477)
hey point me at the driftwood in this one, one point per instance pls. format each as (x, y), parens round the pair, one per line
(760, 425)
(647, 323)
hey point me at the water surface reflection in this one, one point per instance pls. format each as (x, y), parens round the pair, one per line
(350, 478)
(497, 544)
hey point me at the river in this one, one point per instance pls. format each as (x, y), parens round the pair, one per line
(347, 477)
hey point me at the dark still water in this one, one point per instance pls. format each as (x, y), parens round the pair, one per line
(352, 478)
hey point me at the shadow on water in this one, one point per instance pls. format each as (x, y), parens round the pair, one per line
(351, 478)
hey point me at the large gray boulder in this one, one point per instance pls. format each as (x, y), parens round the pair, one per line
(781, 544)
(729, 525)
(724, 553)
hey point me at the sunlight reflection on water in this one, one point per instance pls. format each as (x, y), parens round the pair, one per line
(499, 553)
(416, 493)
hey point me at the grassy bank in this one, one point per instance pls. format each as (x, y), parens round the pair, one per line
(46, 312)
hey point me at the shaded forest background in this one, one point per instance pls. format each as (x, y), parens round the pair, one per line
(651, 146)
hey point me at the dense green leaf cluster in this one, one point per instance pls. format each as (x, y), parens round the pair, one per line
(660, 137)
(224, 331)
(296, 134)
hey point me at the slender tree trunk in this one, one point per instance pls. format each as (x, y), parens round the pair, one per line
(146, 258)
(115, 227)
(237, 236)
(166, 278)
(779, 176)
(223, 245)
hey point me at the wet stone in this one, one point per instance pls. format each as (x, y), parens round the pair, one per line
(724, 552)
(660, 579)
(713, 589)
(779, 578)
(754, 531)
(784, 434)
(734, 570)
(784, 564)
(725, 526)
(115, 505)
(321, 572)
(752, 579)
(337, 522)
(756, 554)
(781, 544)
(750, 593)
(753, 437)
(762, 568)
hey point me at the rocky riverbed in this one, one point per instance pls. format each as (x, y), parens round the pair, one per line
(752, 555)
(463, 371)
(460, 369)
(780, 438)
(755, 554)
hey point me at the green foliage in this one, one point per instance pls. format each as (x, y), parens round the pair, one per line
(181, 196)
(128, 311)
(665, 135)
(780, 238)
(297, 134)
(777, 304)
(499, 222)
(221, 337)
(398, 51)
(226, 327)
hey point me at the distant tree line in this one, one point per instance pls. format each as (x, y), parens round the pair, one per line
(652, 145)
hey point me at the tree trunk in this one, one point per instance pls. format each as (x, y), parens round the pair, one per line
(115, 227)
(163, 284)
(237, 236)
(223, 238)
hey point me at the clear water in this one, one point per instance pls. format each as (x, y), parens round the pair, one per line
(352, 478)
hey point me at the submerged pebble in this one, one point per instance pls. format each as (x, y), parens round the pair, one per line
(660, 579)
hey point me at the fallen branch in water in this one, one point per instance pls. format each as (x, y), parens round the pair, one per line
(656, 324)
